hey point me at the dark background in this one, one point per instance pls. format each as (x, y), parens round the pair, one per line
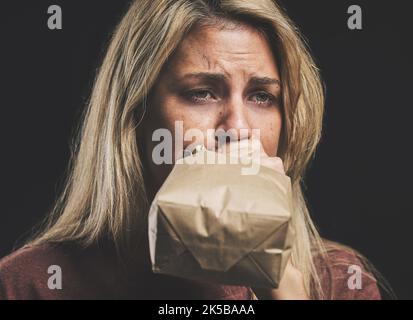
(359, 185)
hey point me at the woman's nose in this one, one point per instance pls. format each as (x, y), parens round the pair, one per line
(234, 120)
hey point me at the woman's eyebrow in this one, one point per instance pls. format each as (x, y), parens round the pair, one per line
(256, 81)
(220, 77)
(204, 76)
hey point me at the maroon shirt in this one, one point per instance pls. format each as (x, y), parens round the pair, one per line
(94, 273)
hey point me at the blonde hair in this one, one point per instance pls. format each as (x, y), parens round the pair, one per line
(104, 196)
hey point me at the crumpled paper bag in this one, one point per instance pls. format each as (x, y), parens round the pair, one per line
(208, 222)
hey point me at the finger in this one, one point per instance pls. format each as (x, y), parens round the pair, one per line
(252, 150)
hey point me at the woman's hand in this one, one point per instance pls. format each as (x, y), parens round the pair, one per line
(252, 150)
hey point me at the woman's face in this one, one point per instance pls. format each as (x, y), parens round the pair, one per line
(219, 78)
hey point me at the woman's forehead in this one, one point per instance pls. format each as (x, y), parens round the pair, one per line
(225, 49)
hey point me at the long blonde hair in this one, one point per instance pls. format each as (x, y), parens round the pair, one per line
(104, 196)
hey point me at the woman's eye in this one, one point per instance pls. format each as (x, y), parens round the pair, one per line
(263, 98)
(199, 96)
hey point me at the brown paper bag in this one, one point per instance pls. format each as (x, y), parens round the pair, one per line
(209, 222)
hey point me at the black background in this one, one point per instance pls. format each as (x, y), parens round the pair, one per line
(359, 185)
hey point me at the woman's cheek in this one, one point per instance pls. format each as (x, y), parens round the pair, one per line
(198, 126)
(269, 136)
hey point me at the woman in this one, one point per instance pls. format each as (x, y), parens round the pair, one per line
(210, 64)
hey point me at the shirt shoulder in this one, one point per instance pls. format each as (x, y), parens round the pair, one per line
(345, 275)
(54, 272)
(24, 274)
